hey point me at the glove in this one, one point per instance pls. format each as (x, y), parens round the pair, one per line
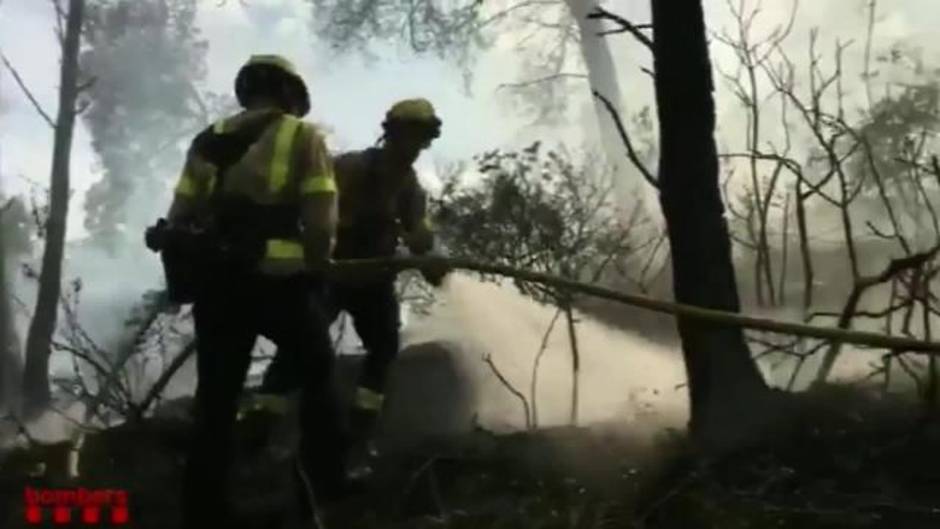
(435, 274)
(155, 236)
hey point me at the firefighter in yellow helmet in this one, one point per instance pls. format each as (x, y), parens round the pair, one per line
(381, 204)
(254, 216)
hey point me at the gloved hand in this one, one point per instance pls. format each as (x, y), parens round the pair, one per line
(435, 274)
(155, 236)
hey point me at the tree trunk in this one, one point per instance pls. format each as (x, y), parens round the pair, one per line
(575, 363)
(724, 382)
(602, 76)
(38, 342)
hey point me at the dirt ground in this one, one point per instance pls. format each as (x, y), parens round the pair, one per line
(855, 460)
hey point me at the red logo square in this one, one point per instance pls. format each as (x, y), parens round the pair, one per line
(61, 514)
(33, 514)
(119, 514)
(91, 514)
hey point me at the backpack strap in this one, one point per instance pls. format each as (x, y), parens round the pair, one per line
(223, 149)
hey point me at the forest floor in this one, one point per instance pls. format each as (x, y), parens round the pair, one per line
(856, 460)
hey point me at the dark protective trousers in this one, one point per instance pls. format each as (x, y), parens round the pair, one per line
(230, 312)
(374, 310)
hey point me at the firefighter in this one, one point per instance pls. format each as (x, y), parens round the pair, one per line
(258, 193)
(381, 204)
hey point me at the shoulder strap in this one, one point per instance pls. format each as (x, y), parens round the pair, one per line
(225, 149)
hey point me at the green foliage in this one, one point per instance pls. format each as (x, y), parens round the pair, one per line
(144, 58)
(535, 209)
(545, 32)
(448, 28)
(898, 128)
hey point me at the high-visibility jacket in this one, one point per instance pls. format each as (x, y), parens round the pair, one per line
(375, 205)
(287, 163)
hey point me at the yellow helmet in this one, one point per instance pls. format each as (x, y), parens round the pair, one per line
(418, 112)
(269, 75)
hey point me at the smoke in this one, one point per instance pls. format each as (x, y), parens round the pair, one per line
(624, 377)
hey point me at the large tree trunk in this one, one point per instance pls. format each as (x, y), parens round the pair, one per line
(38, 342)
(723, 379)
(602, 77)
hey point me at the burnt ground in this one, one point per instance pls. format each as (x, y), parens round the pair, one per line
(854, 460)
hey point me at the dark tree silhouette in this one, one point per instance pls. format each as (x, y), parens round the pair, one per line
(36, 389)
(724, 382)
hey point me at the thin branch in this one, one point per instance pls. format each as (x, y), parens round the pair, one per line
(636, 30)
(631, 152)
(21, 429)
(544, 79)
(521, 5)
(535, 367)
(59, 20)
(26, 90)
(157, 389)
(518, 394)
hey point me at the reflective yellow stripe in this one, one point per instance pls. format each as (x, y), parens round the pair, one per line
(284, 249)
(219, 127)
(280, 163)
(318, 184)
(426, 223)
(367, 399)
(186, 186)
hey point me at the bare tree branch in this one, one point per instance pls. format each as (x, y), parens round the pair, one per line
(157, 389)
(59, 20)
(535, 368)
(539, 80)
(26, 90)
(518, 394)
(631, 152)
(862, 284)
(636, 30)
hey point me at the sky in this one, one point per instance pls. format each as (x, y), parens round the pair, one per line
(350, 94)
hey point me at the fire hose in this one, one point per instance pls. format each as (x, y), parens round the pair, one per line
(896, 344)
